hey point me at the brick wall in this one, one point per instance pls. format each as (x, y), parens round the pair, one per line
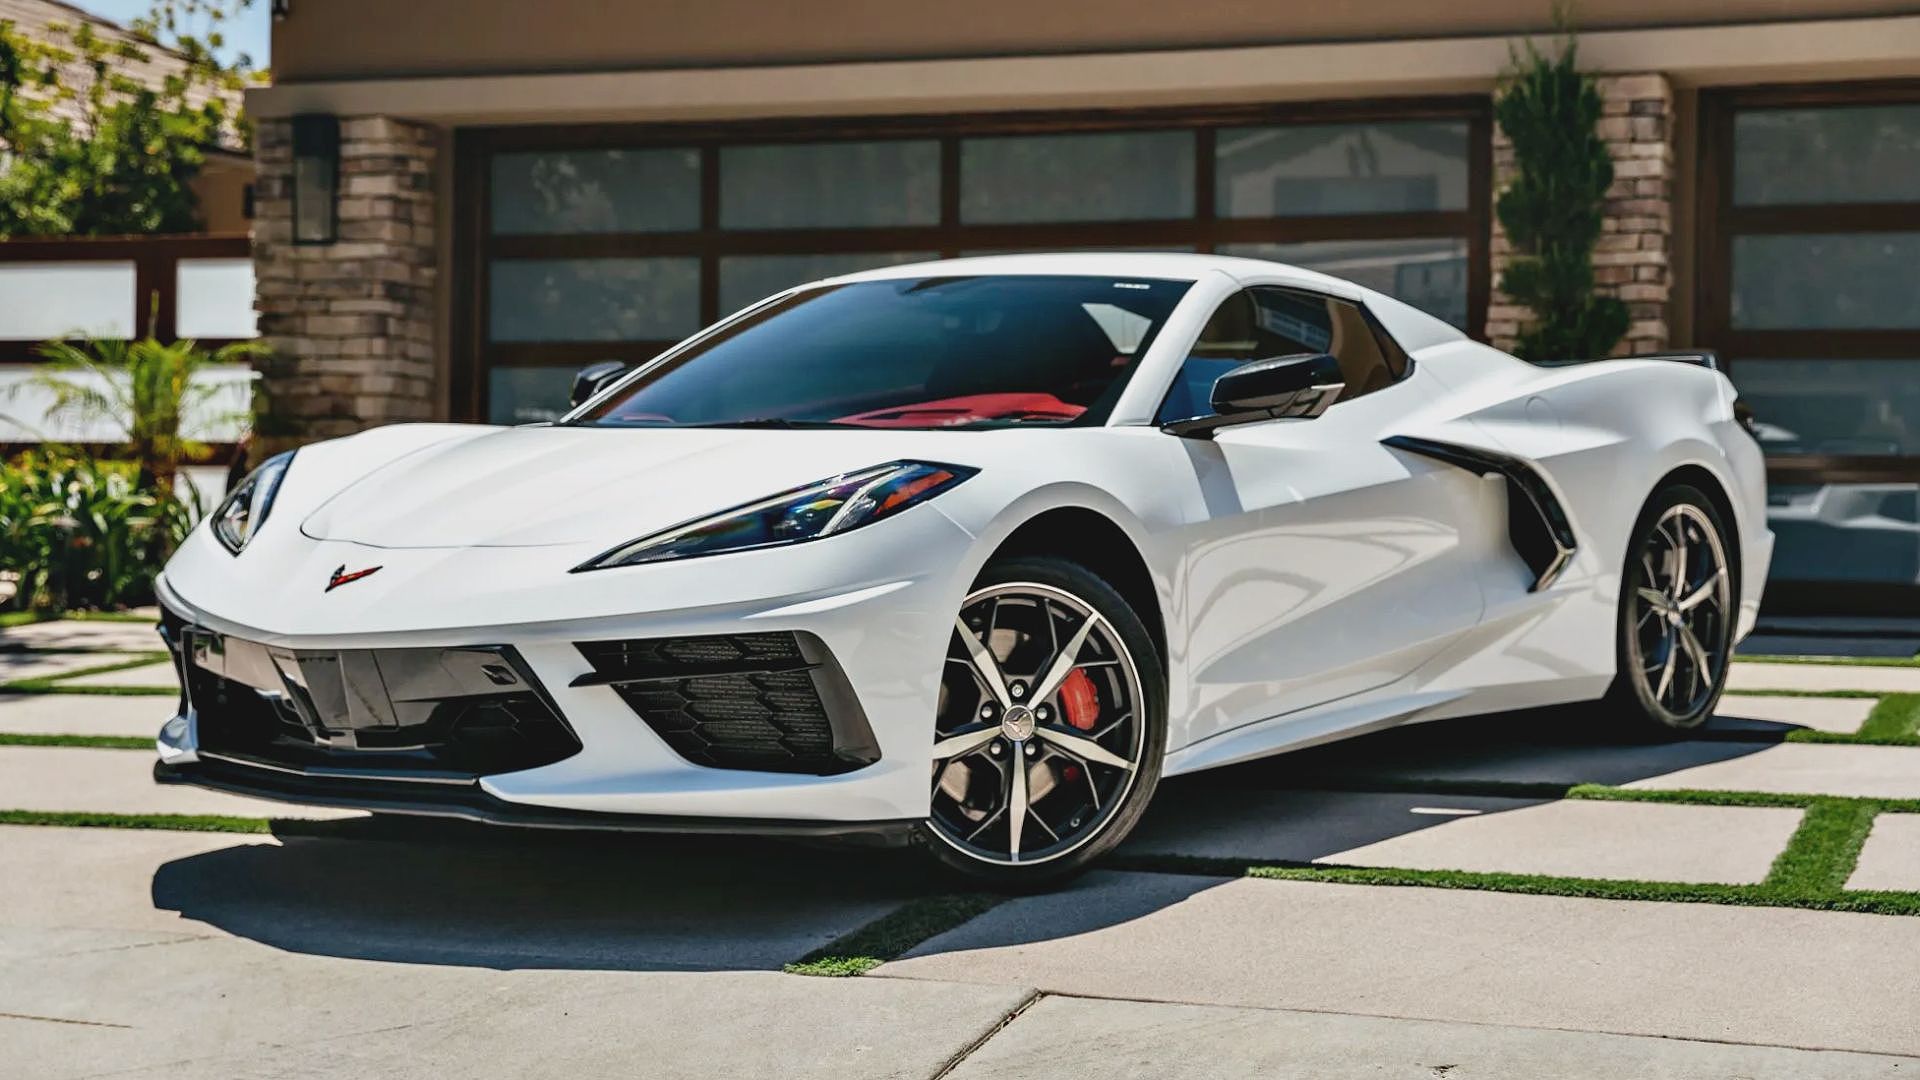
(1633, 259)
(351, 324)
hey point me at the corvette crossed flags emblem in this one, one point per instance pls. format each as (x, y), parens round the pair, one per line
(342, 577)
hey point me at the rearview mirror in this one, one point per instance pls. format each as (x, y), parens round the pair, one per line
(594, 378)
(1298, 387)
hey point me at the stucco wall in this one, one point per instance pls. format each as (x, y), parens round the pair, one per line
(327, 39)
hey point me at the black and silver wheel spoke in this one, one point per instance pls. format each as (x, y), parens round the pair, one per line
(1681, 602)
(1038, 738)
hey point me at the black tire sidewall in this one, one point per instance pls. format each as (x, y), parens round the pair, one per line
(1628, 694)
(1071, 577)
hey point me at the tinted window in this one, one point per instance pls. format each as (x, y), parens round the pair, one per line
(913, 353)
(1265, 322)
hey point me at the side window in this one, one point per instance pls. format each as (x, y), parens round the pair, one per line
(1267, 321)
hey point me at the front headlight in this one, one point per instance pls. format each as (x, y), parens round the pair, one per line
(246, 507)
(828, 508)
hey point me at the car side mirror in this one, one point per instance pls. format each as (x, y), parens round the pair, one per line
(594, 378)
(1298, 387)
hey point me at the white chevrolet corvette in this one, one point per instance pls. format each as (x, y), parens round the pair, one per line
(967, 554)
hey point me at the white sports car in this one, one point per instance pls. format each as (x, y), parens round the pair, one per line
(967, 554)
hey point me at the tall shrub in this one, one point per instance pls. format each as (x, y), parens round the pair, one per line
(1552, 210)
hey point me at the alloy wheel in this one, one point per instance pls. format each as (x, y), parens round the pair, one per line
(1678, 641)
(1039, 733)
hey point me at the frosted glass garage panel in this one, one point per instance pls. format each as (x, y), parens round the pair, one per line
(1310, 169)
(1430, 274)
(526, 395)
(830, 185)
(1866, 408)
(1862, 533)
(594, 299)
(745, 279)
(1826, 281)
(1851, 154)
(40, 300)
(1118, 176)
(215, 299)
(596, 191)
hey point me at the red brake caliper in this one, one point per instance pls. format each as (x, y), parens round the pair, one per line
(1081, 700)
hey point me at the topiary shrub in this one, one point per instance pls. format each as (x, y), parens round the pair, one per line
(1552, 209)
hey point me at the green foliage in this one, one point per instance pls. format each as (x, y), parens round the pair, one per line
(1552, 210)
(146, 388)
(82, 533)
(91, 151)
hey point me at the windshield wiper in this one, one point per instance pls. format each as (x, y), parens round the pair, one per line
(778, 422)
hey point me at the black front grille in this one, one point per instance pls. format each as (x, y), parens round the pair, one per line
(772, 702)
(446, 714)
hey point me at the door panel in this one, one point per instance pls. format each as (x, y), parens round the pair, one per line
(1319, 563)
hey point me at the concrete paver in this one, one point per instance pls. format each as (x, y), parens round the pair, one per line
(539, 956)
(107, 635)
(157, 674)
(47, 665)
(1763, 676)
(1756, 712)
(1891, 857)
(1694, 971)
(1720, 765)
(83, 714)
(1067, 1036)
(226, 1008)
(1870, 772)
(83, 779)
(1632, 841)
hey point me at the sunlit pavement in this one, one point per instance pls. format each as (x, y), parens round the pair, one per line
(370, 950)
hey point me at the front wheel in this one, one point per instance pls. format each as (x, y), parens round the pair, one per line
(1050, 728)
(1677, 614)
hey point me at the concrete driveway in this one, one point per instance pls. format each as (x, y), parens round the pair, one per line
(1438, 902)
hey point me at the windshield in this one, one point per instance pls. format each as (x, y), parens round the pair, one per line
(933, 352)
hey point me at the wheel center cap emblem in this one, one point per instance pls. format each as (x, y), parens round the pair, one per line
(1673, 618)
(1017, 724)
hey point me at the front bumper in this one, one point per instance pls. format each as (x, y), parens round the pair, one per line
(470, 803)
(885, 623)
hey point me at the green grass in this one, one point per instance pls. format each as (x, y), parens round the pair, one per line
(1805, 693)
(892, 934)
(173, 822)
(1834, 661)
(60, 684)
(98, 742)
(27, 618)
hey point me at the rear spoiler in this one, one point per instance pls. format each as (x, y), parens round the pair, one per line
(1706, 358)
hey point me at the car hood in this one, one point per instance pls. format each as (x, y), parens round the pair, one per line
(540, 486)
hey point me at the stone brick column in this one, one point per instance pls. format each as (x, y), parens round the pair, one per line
(351, 324)
(1633, 259)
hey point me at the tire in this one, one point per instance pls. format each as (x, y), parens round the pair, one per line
(1673, 636)
(1069, 743)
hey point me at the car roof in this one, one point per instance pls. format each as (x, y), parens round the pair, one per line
(1413, 328)
(1166, 265)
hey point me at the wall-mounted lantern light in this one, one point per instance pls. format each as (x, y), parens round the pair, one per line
(316, 178)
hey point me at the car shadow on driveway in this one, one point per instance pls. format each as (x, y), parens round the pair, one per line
(449, 893)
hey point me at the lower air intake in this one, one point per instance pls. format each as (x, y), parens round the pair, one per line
(773, 702)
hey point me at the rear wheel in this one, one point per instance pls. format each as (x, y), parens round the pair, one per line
(1050, 729)
(1677, 614)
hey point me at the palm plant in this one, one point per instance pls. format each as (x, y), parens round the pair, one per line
(147, 388)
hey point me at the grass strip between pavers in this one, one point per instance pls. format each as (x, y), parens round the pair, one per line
(1790, 692)
(59, 684)
(1832, 661)
(28, 618)
(174, 822)
(892, 934)
(97, 742)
